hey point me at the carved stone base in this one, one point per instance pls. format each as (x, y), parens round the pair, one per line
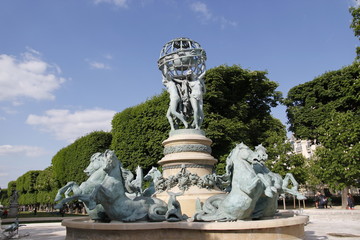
(191, 149)
(280, 227)
(188, 199)
(187, 147)
(13, 210)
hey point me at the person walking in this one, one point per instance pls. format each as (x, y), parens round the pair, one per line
(350, 201)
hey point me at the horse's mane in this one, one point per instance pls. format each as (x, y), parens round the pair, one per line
(260, 147)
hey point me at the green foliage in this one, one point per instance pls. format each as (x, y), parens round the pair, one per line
(4, 197)
(327, 110)
(309, 104)
(138, 132)
(44, 197)
(355, 25)
(68, 164)
(237, 107)
(337, 161)
(27, 198)
(291, 163)
(26, 182)
(282, 160)
(46, 180)
(11, 188)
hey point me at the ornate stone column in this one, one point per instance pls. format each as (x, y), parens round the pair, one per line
(191, 149)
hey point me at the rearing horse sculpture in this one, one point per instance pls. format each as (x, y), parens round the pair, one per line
(246, 190)
(111, 195)
(96, 173)
(274, 185)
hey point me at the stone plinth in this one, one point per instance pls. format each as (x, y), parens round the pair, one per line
(191, 149)
(281, 227)
(13, 210)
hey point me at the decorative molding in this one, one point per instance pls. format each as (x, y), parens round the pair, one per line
(187, 166)
(187, 148)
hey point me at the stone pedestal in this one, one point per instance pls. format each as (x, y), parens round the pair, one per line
(13, 210)
(282, 226)
(191, 149)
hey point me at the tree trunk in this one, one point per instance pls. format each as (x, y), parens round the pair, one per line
(344, 194)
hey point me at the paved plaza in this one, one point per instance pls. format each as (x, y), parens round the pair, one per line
(323, 224)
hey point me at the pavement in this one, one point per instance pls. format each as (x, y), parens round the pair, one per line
(332, 224)
(324, 224)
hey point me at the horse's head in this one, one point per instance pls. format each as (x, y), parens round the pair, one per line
(260, 154)
(242, 152)
(152, 174)
(96, 162)
(111, 161)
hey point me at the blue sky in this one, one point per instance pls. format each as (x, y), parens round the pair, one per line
(66, 67)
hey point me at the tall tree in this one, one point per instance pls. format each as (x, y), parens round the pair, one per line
(309, 104)
(337, 162)
(327, 110)
(138, 132)
(355, 25)
(46, 186)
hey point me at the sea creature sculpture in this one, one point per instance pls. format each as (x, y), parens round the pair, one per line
(246, 190)
(133, 186)
(110, 193)
(153, 175)
(274, 185)
(254, 189)
(174, 213)
(96, 173)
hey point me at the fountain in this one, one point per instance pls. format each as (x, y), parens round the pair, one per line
(204, 205)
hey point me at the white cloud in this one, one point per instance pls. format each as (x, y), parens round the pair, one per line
(99, 65)
(205, 15)
(68, 126)
(225, 22)
(27, 76)
(199, 7)
(356, 3)
(117, 3)
(28, 151)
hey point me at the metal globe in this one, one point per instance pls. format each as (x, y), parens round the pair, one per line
(181, 55)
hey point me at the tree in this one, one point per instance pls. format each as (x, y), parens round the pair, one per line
(309, 104)
(11, 188)
(46, 186)
(327, 110)
(69, 163)
(283, 160)
(26, 182)
(355, 25)
(337, 162)
(25, 185)
(4, 197)
(138, 132)
(237, 108)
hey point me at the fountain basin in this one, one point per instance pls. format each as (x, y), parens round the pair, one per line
(283, 226)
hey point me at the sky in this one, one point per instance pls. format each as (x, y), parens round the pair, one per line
(66, 67)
